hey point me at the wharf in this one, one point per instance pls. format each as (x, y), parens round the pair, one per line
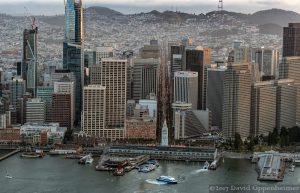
(109, 163)
(165, 153)
(9, 154)
(271, 166)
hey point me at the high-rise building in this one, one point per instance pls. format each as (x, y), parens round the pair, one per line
(35, 111)
(73, 21)
(215, 94)
(62, 109)
(93, 118)
(186, 88)
(104, 52)
(177, 59)
(58, 74)
(207, 56)
(290, 68)
(144, 78)
(150, 51)
(267, 60)
(17, 88)
(179, 118)
(73, 52)
(29, 61)
(63, 88)
(291, 40)
(89, 57)
(263, 108)
(45, 93)
(286, 103)
(112, 74)
(237, 100)
(21, 108)
(73, 62)
(194, 62)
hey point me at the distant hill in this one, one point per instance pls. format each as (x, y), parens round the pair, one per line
(269, 21)
(103, 11)
(271, 28)
(58, 20)
(276, 16)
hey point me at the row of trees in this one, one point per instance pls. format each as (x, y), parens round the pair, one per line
(284, 138)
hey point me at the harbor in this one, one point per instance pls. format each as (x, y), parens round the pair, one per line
(41, 174)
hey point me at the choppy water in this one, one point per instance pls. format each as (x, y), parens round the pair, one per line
(59, 175)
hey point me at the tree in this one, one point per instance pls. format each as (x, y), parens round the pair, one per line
(284, 137)
(237, 141)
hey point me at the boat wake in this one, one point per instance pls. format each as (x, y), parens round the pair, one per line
(153, 181)
(199, 171)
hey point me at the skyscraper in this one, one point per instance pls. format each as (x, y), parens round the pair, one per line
(263, 108)
(73, 52)
(29, 61)
(215, 94)
(286, 103)
(17, 88)
(267, 60)
(194, 62)
(186, 88)
(291, 40)
(45, 93)
(112, 74)
(93, 120)
(144, 78)
(35, 111)
(73, 21)
(62, 109)
(64, 93)
(237, 100)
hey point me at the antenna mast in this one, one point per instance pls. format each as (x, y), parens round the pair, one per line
(220, 5)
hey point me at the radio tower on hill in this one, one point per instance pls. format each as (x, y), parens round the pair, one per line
(220, 5)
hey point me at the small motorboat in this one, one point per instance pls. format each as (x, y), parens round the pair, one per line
(146, 168)
(153, 162)
(292, 169)
(86, 159)
(167, 179)
(206, 166)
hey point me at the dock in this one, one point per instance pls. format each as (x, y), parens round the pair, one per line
(165, 153)
(9, 154)
(270, 166)
(110, 163)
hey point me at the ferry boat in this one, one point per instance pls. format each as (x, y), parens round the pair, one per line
(86, 159)
(32, 155)
(146, 168)
(167, 179)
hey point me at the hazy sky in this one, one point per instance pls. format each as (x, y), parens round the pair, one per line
(52, 7)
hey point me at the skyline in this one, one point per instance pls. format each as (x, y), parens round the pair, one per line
(56, 7)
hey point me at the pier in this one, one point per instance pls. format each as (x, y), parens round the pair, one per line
(166, 153)
(271, 165)
(9, 154)
(110, 163)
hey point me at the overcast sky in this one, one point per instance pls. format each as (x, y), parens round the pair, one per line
(52, 7)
